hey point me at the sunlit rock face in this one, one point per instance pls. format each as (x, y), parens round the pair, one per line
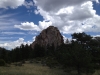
(49, 37)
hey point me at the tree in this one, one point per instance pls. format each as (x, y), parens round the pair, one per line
(81, 38)
(77, 54)
(38, 51)
(4, 54)
(67, 42)
(50, 50)
(2, 62)
(95, 50)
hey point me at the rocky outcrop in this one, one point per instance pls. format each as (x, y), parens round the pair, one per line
(48, 37)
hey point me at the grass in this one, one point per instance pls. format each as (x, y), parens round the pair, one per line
(30, 69)
(34, 69)
(97, 72)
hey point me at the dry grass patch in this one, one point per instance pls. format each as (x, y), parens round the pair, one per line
(30, 69)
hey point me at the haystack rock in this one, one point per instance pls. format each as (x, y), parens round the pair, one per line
(48, 37)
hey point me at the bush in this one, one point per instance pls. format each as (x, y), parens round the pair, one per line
(51, 62)
(2, 62)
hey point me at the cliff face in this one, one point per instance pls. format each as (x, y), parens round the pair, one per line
(48, 37)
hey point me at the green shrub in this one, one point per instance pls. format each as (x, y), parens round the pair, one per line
(2, 62)
(51, 62)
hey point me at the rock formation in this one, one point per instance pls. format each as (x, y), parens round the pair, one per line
(48, 37)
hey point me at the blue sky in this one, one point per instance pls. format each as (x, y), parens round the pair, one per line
(22, 20)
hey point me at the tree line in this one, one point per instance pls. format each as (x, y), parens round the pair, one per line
(82, 53)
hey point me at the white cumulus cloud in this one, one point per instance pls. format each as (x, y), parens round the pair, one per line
(28, 4)
(13, 44)
(27, 26)
(11, 3)
(31, 26)
(69, 15)
(15, 3)
(54, 5)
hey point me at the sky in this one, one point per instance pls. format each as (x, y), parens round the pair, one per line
(22, 20)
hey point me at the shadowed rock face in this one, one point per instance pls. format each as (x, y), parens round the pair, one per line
(48, 37)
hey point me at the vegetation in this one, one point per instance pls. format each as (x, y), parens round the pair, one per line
(81, 54)
(30, 69)
(2, 62)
